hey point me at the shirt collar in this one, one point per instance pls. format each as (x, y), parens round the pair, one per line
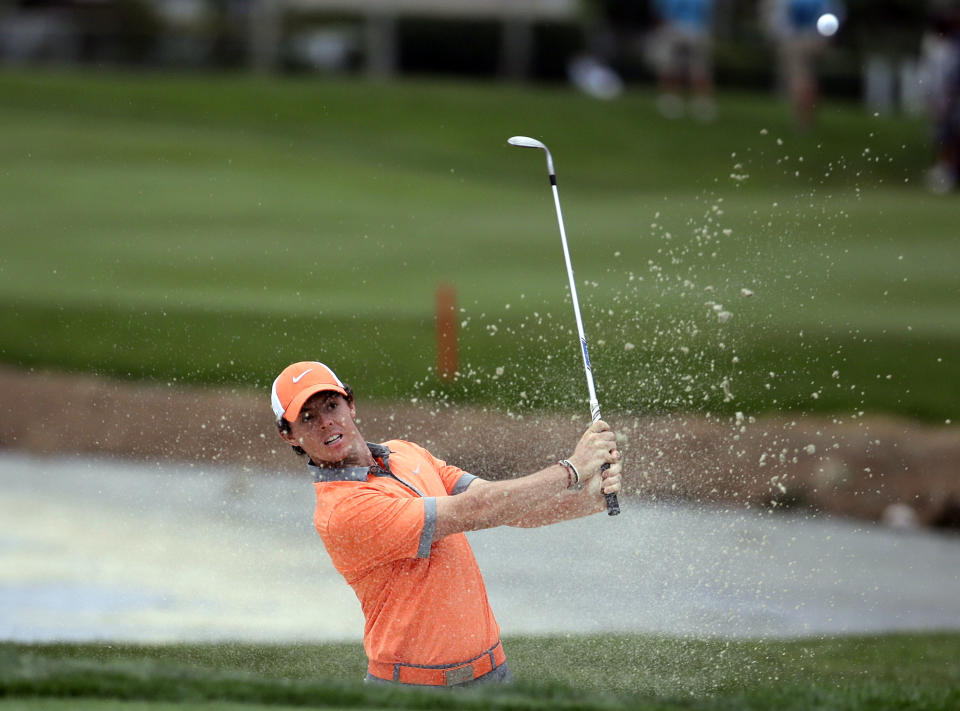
(380, 452)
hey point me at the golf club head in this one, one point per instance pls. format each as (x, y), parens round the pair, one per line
(527, 142)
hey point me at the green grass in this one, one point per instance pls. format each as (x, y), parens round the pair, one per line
(211, 229)
(902, 671)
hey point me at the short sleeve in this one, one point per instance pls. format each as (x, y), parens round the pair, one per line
(371, 528)
(454, 479)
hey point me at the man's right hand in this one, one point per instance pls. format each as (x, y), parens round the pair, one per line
(597, 446)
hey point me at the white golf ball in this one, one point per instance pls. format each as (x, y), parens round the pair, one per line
(828, 24)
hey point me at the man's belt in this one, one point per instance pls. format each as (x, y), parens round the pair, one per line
(442, 675)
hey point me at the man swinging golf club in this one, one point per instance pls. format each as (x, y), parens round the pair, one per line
(392, 517)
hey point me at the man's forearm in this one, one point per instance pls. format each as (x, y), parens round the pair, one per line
(486, 504)
(564, 506)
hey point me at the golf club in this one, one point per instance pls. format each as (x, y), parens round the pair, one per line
(613, 506)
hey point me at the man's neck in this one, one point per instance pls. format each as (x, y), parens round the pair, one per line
(360, 459)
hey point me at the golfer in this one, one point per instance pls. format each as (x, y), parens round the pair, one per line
(392, 517)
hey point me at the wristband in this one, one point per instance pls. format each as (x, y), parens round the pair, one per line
(573, 476)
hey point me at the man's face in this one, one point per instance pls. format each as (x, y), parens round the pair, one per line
(327, 432)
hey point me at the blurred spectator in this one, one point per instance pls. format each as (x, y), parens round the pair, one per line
(610, 29)
(940, 76)
(681, 52)
(793, 26)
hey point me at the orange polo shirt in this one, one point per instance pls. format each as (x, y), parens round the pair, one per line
(423, 600)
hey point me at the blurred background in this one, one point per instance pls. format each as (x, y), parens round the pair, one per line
(877, 49)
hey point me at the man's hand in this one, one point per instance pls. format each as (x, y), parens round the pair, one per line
(598, 446)
(609, 481)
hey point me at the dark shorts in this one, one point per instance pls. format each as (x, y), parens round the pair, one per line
(497, 675)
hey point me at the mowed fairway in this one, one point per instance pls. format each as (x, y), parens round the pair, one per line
(212, 228)
(612, 672)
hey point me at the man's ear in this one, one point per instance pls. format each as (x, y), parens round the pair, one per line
(353, 409)
(287, 436)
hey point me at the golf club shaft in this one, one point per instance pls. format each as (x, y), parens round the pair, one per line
(613, 505)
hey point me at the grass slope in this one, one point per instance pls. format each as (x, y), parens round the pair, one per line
(907, 671)
(212, 228)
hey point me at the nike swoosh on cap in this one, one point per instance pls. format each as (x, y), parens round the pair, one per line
(298, 378)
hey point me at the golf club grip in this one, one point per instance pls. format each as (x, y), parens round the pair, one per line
(613, 505)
